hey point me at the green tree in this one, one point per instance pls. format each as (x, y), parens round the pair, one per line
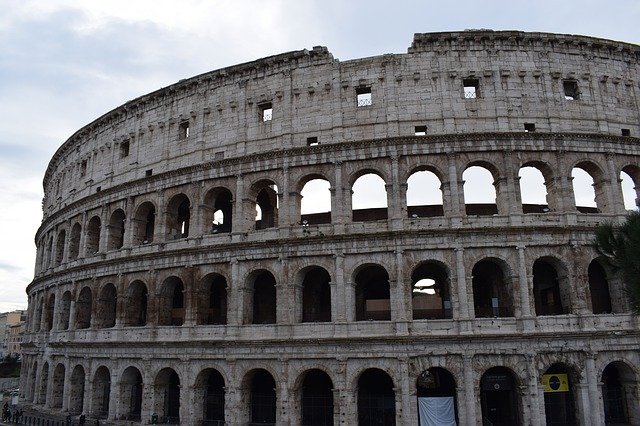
(619, 246)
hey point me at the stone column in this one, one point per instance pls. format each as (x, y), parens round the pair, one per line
(235, 302)
(614, 188)
(464, 310)
(523, 281)
(408, 413)
(83, 236)
(339, 308)
(104, 230)
(595, 406)
(72, 314)
(114, 396)
(454, 205)
(535, 394)
(339, 204)
(148, 401)
(469, 390)
(240, 216)
(400, 309)
(396, 210)
(233, 406)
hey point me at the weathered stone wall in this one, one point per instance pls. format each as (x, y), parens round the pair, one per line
(121, 288)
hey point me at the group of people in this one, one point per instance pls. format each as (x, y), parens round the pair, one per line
(9, 415)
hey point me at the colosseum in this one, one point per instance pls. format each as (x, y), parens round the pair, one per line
(297, 241)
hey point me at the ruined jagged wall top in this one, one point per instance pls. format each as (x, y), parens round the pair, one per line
(519, 78)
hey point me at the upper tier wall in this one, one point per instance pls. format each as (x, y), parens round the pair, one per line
(520, 78)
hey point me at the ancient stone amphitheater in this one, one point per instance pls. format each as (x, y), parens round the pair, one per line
(218, 251)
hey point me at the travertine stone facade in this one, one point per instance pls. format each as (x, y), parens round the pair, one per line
(157, 290)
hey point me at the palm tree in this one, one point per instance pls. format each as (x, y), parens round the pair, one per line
(619, 246)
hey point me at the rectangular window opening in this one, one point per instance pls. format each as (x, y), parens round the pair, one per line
(266, 111)
(529, 127)
(571, 92)
(421, 130)
(471, 88)
(98, 189)
(148, 173)
(363, 96)
(626, 132)
(183, 130)
(312, 141)
(124, 149)
(83, 168)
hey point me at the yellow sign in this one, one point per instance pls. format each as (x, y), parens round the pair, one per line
(555, 383)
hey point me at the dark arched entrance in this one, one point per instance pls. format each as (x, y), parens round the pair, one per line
(262, 398)
(376, 399)
(499, 398)
(436, 391)
(317, 399)
(559, 405)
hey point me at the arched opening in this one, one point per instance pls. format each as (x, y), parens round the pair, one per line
(369, 198)
(499, 398)
(178, 217)
(57, 390)
(266, 204)
(33, 374)
(317, 399)
(116, 230)
(76, 397)
(619, 386)
(131, 394)
(100, 393)
(262, 397)
(546, 289)
(39, 311)
(264, 298)
(430, 298)
(60, 241)
(213, 300)
(424, 195)
(106, 307)
(218, 210)
(136, 308)
(373, 300)
(136, 305)
(44, 384)
(436, 391)
(144, 223)
(167, 396)
(210, 389)
(315, 203)
(376, 399)
(49, 254)
(316, 295)
(65, 311)
(533, 190)
(559, 404)
(93, 236)
(629, 176)
(74, 241)
(171, 303)
(491, 295)
(479, 191)
(585, 189)
(599, 289)
(84, 306)
(51, 306)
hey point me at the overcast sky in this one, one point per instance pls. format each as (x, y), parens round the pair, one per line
(64, 63)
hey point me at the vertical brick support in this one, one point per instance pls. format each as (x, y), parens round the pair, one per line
(454, 202)
(339, 204)
(399, 303)
(464, 310)
(285, 303)
(614, 188)
(535, 394)
(82, 252)
(148, 399)
(469, 390)
(104, 229)
(394, 196)
(338, 290)
(595, 406)
(406, 412)
(524, 285)
(235, 296)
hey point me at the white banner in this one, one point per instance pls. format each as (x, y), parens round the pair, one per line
(437, 411)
